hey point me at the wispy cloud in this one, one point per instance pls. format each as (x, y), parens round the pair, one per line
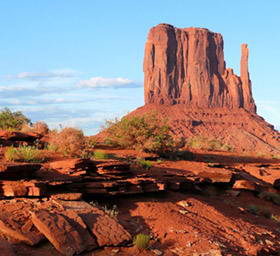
(103, 82)
(271, 110)
(38, 76)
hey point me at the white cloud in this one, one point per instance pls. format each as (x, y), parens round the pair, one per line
(54, 74)
(103, 82)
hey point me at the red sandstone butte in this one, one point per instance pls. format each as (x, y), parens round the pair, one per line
(187, 66)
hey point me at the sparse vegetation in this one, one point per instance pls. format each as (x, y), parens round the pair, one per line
(142, 133)
(111, 211)
(24, 154)
(69, 141)
(91, 142)
(12, 120)
(141, 241)
(145, 164)
(99, 155)
(275, 218)
(204, 143)
(270, 196)
(259, 211)
(41, 128)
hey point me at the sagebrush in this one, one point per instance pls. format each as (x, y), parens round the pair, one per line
(69, 141)
(143, 133)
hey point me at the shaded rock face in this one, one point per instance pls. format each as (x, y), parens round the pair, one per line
(187, 66)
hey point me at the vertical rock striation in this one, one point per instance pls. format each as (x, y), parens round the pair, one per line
(186, 66)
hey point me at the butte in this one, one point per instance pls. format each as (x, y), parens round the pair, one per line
(187, 82)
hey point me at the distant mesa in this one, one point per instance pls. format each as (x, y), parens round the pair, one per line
(187, 66)
(186, 81)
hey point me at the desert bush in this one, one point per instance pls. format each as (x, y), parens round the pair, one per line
(41, 128)
(142, 133)
(38, 127)
(69, 141)
(91, 142)
(145, 164)
(204, 143)
(141, 241)
(24, 154)
(12, 120)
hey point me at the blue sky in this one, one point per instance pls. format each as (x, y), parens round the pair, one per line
(80, 62)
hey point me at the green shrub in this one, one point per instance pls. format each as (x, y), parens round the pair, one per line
(144, 164)
(142, 133)
(141, 241)
(69, 141)
(204, 143)
(24, 154)
(12, 120)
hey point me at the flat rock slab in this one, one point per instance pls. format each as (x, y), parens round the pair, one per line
(108, 231)
(19, 136)
(59, 231)
(67, 196)
(75, 166)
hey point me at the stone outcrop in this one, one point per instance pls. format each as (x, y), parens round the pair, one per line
(187, 66)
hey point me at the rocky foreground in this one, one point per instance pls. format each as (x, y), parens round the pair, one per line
(199, 206)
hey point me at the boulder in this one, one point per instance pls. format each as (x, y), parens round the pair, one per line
(59, 231)
(108, 231)
(245, 184)
(73, 167)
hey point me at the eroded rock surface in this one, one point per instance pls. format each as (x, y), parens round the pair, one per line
(187, 66)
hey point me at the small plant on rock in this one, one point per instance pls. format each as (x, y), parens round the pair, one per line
(145, 164)
(141, 241)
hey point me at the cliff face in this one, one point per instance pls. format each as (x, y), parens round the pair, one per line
(186, 66)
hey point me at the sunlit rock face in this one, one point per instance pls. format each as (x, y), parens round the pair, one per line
(187, 66)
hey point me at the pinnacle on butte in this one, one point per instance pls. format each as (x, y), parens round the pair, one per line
(187, 83)
(187, 66)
